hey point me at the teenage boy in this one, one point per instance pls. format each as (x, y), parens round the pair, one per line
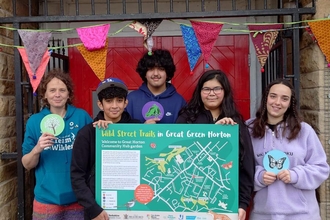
(156, 100)
(112, 101)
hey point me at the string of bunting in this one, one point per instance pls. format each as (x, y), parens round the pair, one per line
(198, 36)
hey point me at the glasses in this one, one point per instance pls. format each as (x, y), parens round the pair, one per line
(216, 90)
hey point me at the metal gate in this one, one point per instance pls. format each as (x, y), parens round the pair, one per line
(109, 10)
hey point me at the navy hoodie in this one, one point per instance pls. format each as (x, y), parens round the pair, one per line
(83, 166)
(168, 104)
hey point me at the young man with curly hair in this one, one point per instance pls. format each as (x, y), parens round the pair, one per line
(156, 101)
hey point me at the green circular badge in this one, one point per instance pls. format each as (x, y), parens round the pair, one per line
(53, 124)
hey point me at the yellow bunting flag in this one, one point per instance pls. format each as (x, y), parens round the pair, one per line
(96, 59)
(320, 30)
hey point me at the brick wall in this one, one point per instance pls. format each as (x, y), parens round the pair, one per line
(8, 168)
(315, 93)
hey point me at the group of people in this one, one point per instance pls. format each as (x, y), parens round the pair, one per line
(65, 176)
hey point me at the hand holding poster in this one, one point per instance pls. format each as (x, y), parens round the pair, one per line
(175, 171)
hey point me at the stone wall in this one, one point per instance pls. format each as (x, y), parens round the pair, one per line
(8, 168)
(315, 93)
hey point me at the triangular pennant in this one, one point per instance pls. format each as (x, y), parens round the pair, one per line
(35, 43)
(151, 25)
(192, 46)
(263, 38)
(206, 33)
(146, 28)
(96, 59)
(94, 37)
(140, 28)
(320, 30)
(35, 78)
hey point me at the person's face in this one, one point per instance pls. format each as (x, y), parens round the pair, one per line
(57, 93)
(156, 77)
(113, 108)
(278, 102)
(212, 94)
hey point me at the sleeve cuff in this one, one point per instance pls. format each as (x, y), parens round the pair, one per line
(243, 206)
(94, 211)
(261, 178)
(293, 176)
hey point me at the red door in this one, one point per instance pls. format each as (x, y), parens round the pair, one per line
(230, 53)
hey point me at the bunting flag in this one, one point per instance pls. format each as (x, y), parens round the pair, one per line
(146, 28)
(263, 38)
(96, 59)
(35, 78)
(321, 32)
(94, 37)
(140, 28)
(35, 44)
(192, 47)
(151, 25)
(206, 33)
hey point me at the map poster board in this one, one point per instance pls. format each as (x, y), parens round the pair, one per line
(167, 171)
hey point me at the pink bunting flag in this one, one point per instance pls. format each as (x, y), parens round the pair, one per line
(206, 33)
(94, 37)
(263, 38)
(35, 44)
(35, 78)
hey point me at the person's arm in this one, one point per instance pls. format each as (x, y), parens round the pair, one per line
(315, 169)
(83, 172)
(246, 170)
(31, 159)
(181, 119)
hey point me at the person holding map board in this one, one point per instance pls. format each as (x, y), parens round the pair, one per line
(112, 94)
(212, 103)
(47, 147)
(290, 160)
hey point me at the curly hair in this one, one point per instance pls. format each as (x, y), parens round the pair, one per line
(291, 116)
(61, 75)
(159, 58)
(196, 105)
(112, 92)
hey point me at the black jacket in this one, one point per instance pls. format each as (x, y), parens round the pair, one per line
(247, 164)
(83, 166)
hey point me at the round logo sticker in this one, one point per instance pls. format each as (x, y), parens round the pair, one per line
(152, 109)
(53, 124)
(275, 161)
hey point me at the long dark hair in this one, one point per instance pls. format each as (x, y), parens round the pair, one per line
(291, 117)
(227, 107)
(195, 107)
